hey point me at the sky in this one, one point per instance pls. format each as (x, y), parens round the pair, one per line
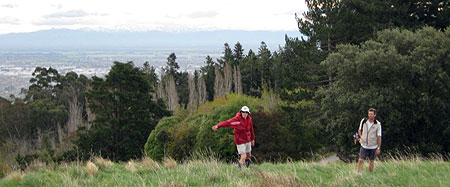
(17, 16)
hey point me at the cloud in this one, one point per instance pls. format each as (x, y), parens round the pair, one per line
(68, 14)
(58, 6)
(71, 17)
(203, 14)
(194, 15)
(9, 5)
(9, 20)
(64, 22)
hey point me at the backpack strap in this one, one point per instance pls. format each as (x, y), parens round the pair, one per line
(365, 120)
(362, 123)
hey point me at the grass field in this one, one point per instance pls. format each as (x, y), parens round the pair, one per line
(210, 172)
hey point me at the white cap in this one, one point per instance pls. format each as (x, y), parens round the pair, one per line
(245, 109)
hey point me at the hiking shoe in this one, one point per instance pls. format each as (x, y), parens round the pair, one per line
(247, 162)
(239, 165)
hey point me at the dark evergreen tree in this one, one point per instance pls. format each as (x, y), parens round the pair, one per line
(172, 65)
(265, 64)
(333, 22)
(150, 71)
(181, 79)
(238, 54)
(209, 76)
(251, 75)
(227, 55)
(125, 113)
(297, 71)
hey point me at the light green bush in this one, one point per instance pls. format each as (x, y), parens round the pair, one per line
(180, 135)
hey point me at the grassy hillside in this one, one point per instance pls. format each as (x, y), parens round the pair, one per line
(210, 172)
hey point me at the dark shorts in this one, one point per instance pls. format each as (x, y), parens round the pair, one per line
(363, 153)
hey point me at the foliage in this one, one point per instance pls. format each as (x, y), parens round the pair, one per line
(25, 161)
(156, 144)
(301, 130)
(405, 76)
(297, 70)
(125, 113)
(188, 133)
(333, 22)
(282, 130)
(15, 120)
(270, 137)
(45, 114)
(208, 72)
(44, 84)
(181, 79)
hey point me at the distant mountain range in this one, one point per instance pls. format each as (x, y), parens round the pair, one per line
(85, 39)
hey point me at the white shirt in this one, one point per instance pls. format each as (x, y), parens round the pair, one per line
(369, 125)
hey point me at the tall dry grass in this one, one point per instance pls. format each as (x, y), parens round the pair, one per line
(131, 166)
(102, 163)
(170, 163)
(277, 180)
(15, 176)
(148, 163)
(208, 171)
(35, 165)
(172, 184)
(91, 168)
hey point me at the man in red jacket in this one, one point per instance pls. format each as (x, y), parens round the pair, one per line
(244, 135)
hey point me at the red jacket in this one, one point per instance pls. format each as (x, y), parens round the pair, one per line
(243, 131)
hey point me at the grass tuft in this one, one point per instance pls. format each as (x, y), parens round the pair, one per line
(275, 180)
(170, 163)
(102, 163)
(172, 184)
(35, 165)
(131, 166)
(91, 168)
(148, 163)
(15, 176)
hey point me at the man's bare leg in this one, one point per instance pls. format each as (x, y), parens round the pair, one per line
(371, 164)
(360, 164)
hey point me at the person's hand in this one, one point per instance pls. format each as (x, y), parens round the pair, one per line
(378, 151)
(356, 140)
(253, 143)
(215, 127)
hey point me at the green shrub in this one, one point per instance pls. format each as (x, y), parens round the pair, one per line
(24, 161)
(187, 133)
(156, 144)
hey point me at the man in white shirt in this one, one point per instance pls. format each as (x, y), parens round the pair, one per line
(370, 139)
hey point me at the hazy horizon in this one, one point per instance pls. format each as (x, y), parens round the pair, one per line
(134, 15)
(86, 39)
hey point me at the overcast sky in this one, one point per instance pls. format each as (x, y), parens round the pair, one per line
(167, 15)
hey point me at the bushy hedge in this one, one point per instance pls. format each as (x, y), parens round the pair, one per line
(184, 133)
